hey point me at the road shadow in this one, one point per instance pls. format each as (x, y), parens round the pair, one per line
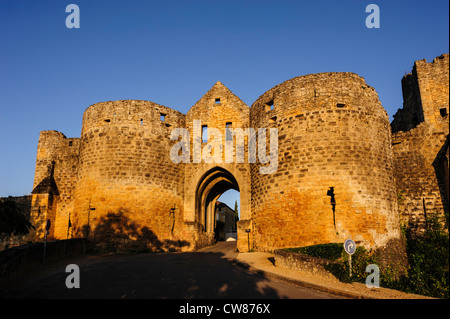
(159, 271)
(117, 233)
(188, 275)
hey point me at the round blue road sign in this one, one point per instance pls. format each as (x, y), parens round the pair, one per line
(350, 246)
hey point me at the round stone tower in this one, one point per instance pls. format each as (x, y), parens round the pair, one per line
(128, 190)
(334, 178)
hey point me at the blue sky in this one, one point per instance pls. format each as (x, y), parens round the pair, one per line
(172, 52)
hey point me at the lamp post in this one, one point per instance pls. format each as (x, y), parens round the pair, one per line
(172, 213)
(248, 238)
(330, 193)
(89, 214)
(69, 225)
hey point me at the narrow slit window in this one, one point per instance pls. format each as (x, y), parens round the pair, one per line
(162, 117)
(443, 112)
(142, 121)
(204, 133)
(217, 100)
(70, 143)
(340, 105)
(228, 134)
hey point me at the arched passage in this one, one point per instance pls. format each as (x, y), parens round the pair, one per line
(204, 185)
(210, 187)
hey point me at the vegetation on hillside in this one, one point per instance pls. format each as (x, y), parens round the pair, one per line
(428, 261)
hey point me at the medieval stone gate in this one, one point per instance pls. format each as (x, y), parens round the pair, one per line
(337, 173)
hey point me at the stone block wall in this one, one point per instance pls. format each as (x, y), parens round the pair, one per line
(55, 175)
(205, 182)
(334, 177)
(304, 263)
(339, 169)
(128, 189)
(420, 141)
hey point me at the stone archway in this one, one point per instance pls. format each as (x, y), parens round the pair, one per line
(203, 186)
(211, 186)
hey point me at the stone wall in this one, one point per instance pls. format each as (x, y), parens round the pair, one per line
(205, 182)
(304, 263)
(339, 170)
(128, 190)
(55, 175)
(420, 141)
(334, 177)
(121, 188)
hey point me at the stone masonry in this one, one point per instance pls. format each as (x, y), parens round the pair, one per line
(420, 141)
(339, 172)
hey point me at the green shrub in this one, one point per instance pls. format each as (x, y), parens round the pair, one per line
(12, 221)
(340, 271)
(360, 260)
(335, 252)
(428, 257)
(332, 251)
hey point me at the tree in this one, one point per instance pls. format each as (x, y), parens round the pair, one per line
(12, 220)
(236, 213)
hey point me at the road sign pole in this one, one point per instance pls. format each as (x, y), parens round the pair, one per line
(350, 264)
(350, 248)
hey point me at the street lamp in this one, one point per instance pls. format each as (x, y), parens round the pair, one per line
(248, 238)
(172, 213)
(89, 214)
(69, 225)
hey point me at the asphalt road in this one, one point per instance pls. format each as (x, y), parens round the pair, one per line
(207, 273)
